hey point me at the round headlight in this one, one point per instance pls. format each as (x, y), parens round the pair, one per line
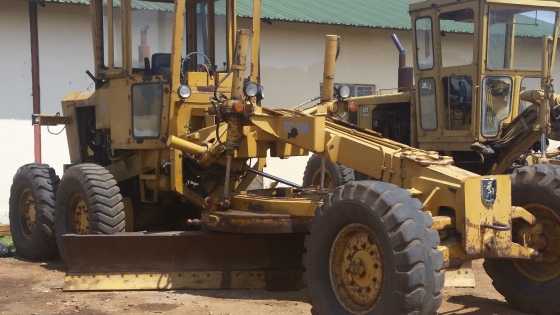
(184, 91)
(251, 89)
(344, 91)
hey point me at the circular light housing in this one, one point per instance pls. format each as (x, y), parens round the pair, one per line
(184, 91)
(251, 89)
(344, 91)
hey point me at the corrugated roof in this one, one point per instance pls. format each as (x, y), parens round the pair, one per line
(142, 5)
(390, 14)
(363, 13)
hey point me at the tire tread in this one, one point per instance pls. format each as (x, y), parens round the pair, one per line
(410, 232)
(43, 182)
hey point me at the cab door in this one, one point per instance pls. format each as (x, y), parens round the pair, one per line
(426, 76)
(447, 92)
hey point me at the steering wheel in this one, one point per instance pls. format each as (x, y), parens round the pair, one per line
(187, 58)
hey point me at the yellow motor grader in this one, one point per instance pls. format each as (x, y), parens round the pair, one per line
(481, 72)
(164, 151)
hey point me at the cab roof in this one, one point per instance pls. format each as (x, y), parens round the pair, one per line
(420, 5)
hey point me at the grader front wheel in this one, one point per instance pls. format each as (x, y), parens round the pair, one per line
(533, 285)
(371, 251)
(88, 201)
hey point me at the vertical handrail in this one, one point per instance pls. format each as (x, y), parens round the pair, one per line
(35, 79)
(256, 42)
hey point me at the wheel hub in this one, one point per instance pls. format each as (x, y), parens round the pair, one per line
(356, 268)
(545, 237)
(28, 210)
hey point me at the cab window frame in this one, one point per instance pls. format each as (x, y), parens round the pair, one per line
(192, 24)
(434, 105)
(110, 62)
(443, 16)
(417, 61)
(161, 85)
(483, 103)
(450, 106)
(509, 66)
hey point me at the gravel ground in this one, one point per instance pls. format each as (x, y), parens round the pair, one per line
(35, 288)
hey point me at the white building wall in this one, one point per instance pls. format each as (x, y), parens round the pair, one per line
(293, 53)
(65, 53)
(292, 71)
(292, 63)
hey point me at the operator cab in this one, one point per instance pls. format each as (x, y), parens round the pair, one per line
(151, 36)
(135, 51)
(472, 58)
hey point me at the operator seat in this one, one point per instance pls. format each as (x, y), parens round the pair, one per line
(161, 64)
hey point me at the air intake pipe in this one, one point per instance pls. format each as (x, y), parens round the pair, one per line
(405, 74)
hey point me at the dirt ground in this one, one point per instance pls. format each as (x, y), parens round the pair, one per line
(35, 288)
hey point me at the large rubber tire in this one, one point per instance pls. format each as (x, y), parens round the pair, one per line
(97, 188)
(38, 181)
(536, 184)
(412, 275)
(338, 174)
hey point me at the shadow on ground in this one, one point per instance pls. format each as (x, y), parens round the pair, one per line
(455, 302)
(294, 296)
(474, 305)
(54, 265)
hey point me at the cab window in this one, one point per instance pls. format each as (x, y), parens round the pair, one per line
(152, 34)
(112, 34)
(528, 84)
(424, 43)
(206, 34)
(457, 37)
(147, 102)
(515, 37)
(458, 102)
(496, 104)
(428, 110)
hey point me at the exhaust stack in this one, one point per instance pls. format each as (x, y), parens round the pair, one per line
(331, 52)
(405, 74)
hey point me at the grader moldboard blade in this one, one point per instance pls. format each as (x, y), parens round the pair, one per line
(182, 260)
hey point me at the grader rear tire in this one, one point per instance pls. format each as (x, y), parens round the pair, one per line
(532, 286)
(32, 202)
(335, 174)
(371, 251)
(88, 201)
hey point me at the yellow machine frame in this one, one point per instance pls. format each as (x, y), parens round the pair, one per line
(428, 176)
(442, 139)
(219, 125)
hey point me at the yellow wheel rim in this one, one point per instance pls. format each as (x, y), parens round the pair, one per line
(547, 266)
(356, 268)
(28, 211)
(79, 220)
